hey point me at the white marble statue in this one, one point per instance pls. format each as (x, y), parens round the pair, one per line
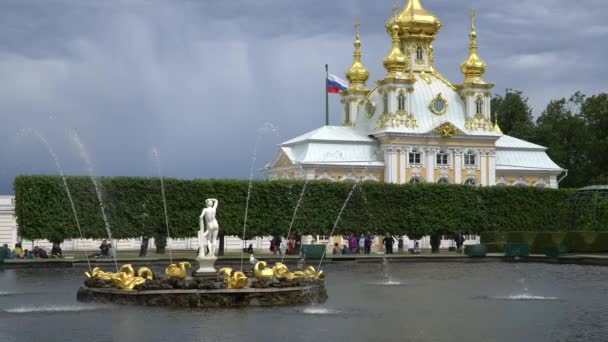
(207, 237)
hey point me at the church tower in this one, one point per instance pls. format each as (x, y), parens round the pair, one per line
(357, 75)
(475, 91)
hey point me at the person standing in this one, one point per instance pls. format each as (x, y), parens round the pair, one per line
(353, 243)
(400, 245)
(388, 244)
(459, 242)
(368, 243)
(362, 244)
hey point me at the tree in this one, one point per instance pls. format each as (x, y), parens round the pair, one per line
(514, 114)
(564, 131)
(595, 112)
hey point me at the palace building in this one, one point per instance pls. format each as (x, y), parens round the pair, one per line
(414, 125)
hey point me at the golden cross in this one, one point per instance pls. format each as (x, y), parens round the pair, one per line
(472, 16)
(395, 7)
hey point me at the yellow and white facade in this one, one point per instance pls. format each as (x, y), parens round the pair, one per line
(414, 125)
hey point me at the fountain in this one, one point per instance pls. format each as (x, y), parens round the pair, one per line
(89, 165)
(65, 184)
(266, 286)
(162, 189)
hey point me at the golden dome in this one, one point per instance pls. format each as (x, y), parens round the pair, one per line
(474, 67)
(415, 20)
(357, 74)
(396, 61)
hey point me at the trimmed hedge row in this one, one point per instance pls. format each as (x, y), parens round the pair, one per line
(576, 242)
(134, 207)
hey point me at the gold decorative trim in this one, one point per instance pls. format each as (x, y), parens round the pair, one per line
(426, 77)
(439, 97)
(410, 90)
(447, 129)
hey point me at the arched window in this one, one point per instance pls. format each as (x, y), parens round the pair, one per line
(419, 54)
(469, 158)
(470, 181)
(415, 156)
(416, 180)
(444, 180)
(479, 106)
(385, 102)
(401, 102)
(442, 157)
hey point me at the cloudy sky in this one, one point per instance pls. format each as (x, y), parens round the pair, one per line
(198, 78)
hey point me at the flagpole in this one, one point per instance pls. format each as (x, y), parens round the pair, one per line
(326, 96)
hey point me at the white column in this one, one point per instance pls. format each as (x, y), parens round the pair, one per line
(430, 165)
(457, 166)
(387, 166)
(353, 110)
(393, 156)
(392, 101)
(484, 168)
(488, 108)
(470, 106)
(403, 165)
(553, 182)
(492, 168)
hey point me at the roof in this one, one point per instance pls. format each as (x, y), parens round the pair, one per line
(509, 142)
(331, 145)
(331, 133)
(521, 160)
(426, 121)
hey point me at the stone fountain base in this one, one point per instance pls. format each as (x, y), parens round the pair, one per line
(214, 298)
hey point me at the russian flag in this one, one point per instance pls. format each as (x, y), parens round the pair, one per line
(335, 84)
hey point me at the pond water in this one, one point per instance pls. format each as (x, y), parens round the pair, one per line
(367, 302)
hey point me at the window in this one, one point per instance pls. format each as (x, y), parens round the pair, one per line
(385, 102)
(479, 106)
(401, 102)
(415, 180)
(443, 180)
(419, 54)
(415, 157)
(347, 111)
(469, 158)
(470, 181)
(442, 157)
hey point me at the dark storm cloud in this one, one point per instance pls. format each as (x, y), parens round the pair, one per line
(198, 78)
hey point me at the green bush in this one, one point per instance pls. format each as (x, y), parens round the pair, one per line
(521, 237)
(600, 244)
(579, 242)
(494, 241)
(541, 242)
(134, 207)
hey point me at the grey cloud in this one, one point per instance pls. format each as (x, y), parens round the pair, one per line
(195, 76)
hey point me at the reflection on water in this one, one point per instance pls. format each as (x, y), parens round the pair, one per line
(53, 308)
(437, 302)
(314, 310)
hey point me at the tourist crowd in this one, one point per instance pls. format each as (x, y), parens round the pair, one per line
(19, 253)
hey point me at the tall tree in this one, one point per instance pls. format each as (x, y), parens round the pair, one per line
(563, 130)
(514, 114)
(595, 112)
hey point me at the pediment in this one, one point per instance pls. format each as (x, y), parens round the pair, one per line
(447, 129)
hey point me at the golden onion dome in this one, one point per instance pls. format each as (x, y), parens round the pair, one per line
(357, 74)
(473, 67)
(396, 60)
(414, 19)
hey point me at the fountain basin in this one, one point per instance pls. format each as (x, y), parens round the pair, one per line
(194, 298)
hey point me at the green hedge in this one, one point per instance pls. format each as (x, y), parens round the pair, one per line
(576, 242)
(134, 207)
